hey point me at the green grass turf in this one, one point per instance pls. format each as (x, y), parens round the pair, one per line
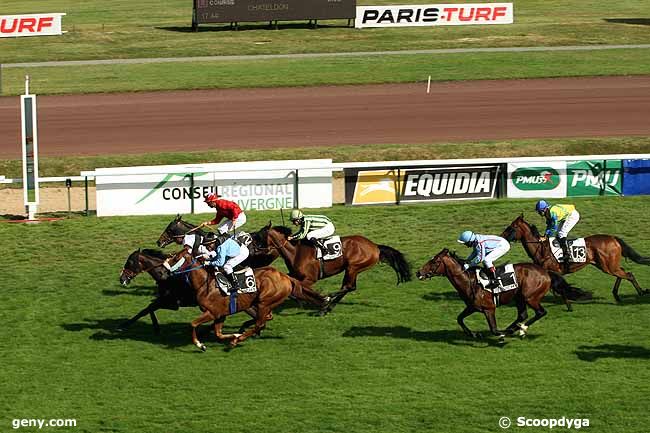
(325, 71)
(72, 166)
(388, 359)
(96, 31)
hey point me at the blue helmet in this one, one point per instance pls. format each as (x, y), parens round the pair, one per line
(541, 206)
(466, 237)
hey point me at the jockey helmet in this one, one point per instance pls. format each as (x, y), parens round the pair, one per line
(211, 198)
(296, 214)
(210, 238)
(541, 206)
(466, 237)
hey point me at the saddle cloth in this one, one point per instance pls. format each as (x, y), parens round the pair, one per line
(333, 249)
(244, 238)
(505, 276)
(245, 277)
(577, 249)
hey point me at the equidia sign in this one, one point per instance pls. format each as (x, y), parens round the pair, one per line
(410, 184)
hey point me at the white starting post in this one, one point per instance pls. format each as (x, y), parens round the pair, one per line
(30, 150)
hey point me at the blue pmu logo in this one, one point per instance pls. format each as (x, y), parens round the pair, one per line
(179, 193)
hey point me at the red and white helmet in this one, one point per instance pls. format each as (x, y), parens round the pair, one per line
(211, 198)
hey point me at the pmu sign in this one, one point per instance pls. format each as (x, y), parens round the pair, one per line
(30, 25)
(434, 15)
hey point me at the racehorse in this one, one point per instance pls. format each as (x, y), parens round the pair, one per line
(359, 254)
(273, 288)
(534, 282)
(177, 229)
(173, 291)
(603, 251)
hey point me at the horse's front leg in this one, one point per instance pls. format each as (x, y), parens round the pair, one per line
(149, 309)
(206, 316)
(492, 323)
(349, 285)
(469, 310)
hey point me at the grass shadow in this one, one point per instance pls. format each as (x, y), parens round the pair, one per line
(621, 351)
(633, 21)
(134, 290)
(455, 337)
(261, 25)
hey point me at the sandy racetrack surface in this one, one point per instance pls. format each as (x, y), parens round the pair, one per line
(102, 124)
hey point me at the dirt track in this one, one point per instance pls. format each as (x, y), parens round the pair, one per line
(325, 116)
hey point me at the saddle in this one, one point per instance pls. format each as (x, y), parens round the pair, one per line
(333, 249)
(506, 279)
(245, 277)
(577, 250)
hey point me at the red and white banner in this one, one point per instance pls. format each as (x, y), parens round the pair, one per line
(434, 15)
(30, 25)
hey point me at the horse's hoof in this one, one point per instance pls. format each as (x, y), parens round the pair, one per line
(502, 338)
(477, 335)
(234, 343)
(203, 348)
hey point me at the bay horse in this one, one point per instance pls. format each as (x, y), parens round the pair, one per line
(177, 229)
(359, 254)
(534, 282)
(603, 251)
(173, 291)
(273, 288)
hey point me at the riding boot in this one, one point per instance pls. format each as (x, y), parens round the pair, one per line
(565, 252)
(319, 244)
(234, 283)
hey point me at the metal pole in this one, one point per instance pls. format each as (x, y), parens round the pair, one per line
(192, 193)
(86, 193)
(398, 190)
(296, 191)
(68, 184)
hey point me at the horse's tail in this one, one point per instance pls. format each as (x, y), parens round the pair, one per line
(560, 287)
(629, 253)
(397, 261)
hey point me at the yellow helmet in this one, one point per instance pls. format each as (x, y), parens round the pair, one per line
(296, 214)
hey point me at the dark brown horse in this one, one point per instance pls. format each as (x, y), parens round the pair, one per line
(173, 291)
(273, 288)
(177, 229)
(359, 254)
(603, 251)
(534, 283)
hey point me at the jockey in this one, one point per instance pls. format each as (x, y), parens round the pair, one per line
(235, 217)
(226, 253)
(312, 227)
(487, 249)
(560, 219)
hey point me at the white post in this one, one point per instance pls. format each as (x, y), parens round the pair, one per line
(26, 84)
(429, 85)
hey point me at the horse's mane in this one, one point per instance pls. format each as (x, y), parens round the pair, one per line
(454, 256)
(154, 253)
(282, 229)
(535, 230)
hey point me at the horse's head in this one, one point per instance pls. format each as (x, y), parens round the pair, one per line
(274, 237)
(517, 229)
(131, 268)
(434, 267)
(174, 232)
